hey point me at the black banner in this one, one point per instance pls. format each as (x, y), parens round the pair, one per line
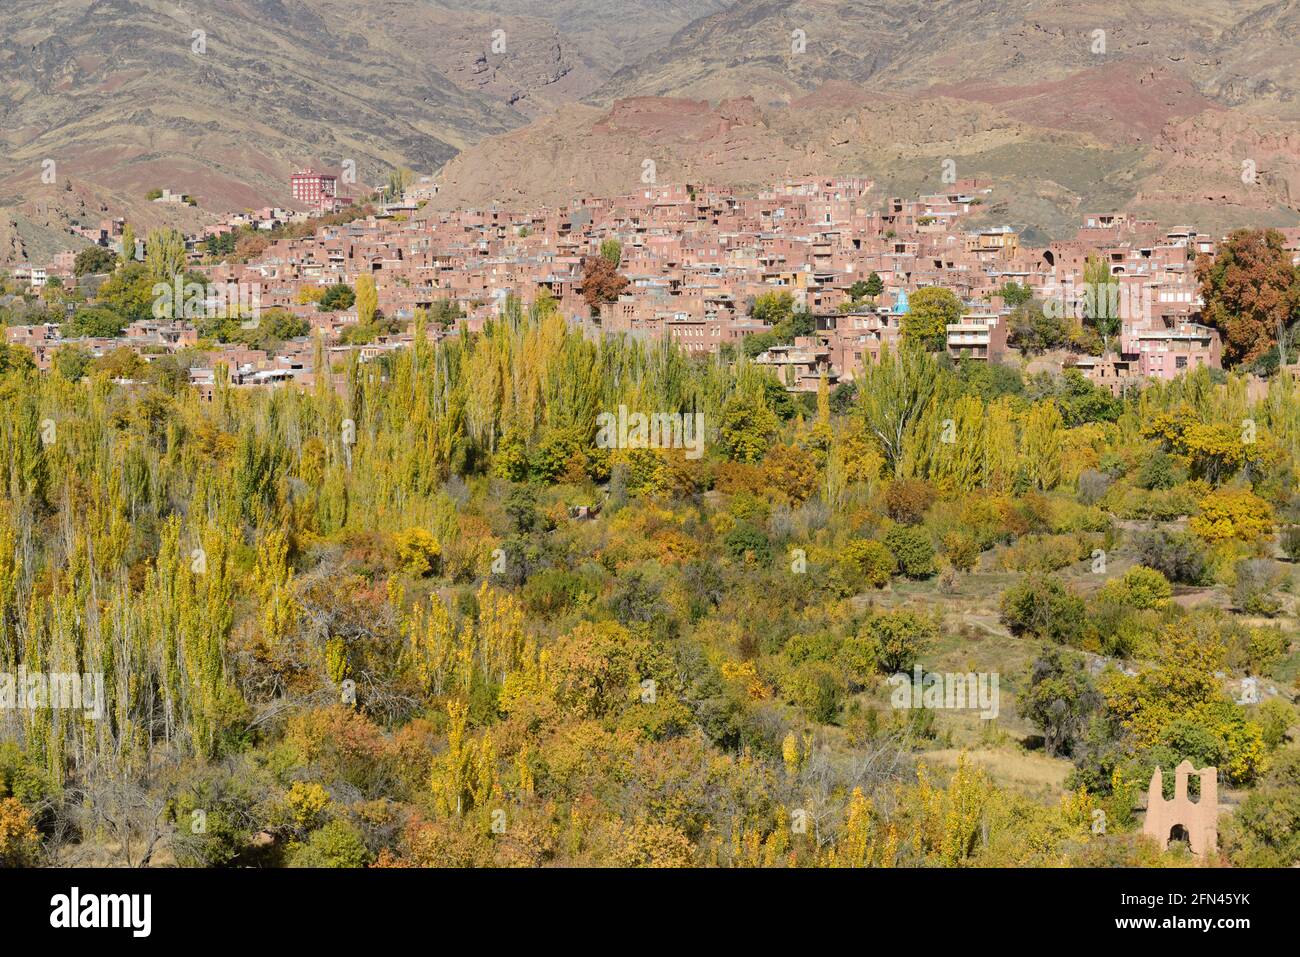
(219, 908)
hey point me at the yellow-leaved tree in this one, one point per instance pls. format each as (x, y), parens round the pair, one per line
(1040, 444)
(367, 299)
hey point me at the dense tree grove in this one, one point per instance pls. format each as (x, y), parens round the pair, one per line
(428, 619)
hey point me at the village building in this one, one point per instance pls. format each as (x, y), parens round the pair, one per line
(696, 257)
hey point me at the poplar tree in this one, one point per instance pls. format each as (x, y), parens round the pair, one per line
(367, 299)
(1040, 444)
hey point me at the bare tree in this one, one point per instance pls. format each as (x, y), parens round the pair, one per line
(132, 813)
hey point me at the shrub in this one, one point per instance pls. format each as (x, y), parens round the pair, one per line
(1166, 505)
(1233, 514)
(859, 657)
(417, 551)
(1276, 715)
(1067, 516)
(337, 844)
(912, 548)
(789, 473)
(985, 520)
(734, 478)
(963, 551)
(817, 688)
(818, 646)
(1290, 541)
(871, 561)
(1253, 592)
(1158, 471)
(1093, 485)
(1265, 649)
(1265, 830)
(747, 543)
(554, 590)
(1044, 608)
(1139, 587)
(1045, 553)
(1178, 556)
(900, 638)
(19, 843)
(650, 844)
(20, 777)
(307, 801)
(906, 500)
(636, 599)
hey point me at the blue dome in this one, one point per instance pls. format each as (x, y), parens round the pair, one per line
(900, 304)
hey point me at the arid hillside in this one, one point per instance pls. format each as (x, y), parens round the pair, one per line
(1240, 53)
(223, 100)
(1185, 111)
(1181, 166)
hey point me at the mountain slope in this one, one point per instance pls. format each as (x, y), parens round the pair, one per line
(538, 100)
(1162, 112)
(123, 95)
(1238, 52)
(1045, 179)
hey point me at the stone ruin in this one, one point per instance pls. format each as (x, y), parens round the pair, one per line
(1197, 821)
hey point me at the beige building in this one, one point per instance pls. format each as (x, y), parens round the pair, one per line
(800, 366)
(1196, 822)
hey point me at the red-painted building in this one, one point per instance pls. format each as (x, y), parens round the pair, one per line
(317, 190)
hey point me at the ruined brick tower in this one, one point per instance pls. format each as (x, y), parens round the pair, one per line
(1197, 820)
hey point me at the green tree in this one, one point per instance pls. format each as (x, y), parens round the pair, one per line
(1060, 702)
(893, 395)
(72, 361)
(870, 561)
(1101, 299)
(129, 292)
(94, 321)
(1014, 294)
(913, 549)
(94, 260)
(336, 844)
(1264, 831)
(164, 254)
(900, 638)
(337, 298)
(1044, 608)
(930, 312)
(1032, 331)
(773, 308)
(746, 428)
